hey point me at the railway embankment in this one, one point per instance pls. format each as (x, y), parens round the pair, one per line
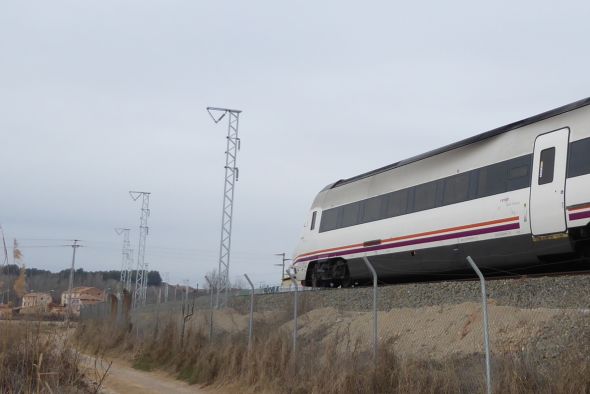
(429, 335)
(556, 306)
(566, 291)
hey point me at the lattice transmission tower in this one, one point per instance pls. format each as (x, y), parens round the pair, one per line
(126, 259)
(231, 177)
(139, 294)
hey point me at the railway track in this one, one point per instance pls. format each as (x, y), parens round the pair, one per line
(536, 272)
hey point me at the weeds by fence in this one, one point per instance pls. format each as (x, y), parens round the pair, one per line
(425, 348)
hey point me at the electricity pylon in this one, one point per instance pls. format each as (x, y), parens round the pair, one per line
(126, 259)
(231, 177)
(139, 294)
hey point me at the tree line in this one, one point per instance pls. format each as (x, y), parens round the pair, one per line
(56, 283)
(154, 278)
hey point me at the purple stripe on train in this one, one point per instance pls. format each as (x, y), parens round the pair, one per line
(579, 215)
(444, 237)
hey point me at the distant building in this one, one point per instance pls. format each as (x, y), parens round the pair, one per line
(83, 296)
(35, 303)
(57, 310)
(5, 311)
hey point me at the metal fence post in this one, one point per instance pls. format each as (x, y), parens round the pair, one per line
(210, 308)
(251, 320)
(486, 337)
(375, 338)
(294, 281)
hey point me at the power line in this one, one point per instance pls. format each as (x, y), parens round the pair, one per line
(44, 239)
(111, 245)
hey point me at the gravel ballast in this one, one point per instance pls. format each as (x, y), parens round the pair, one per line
(568, 291)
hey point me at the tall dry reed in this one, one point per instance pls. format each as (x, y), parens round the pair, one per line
(34, 358)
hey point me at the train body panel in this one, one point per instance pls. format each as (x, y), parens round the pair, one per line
(422, 216)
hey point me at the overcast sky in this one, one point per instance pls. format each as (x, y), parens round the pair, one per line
(101, 97)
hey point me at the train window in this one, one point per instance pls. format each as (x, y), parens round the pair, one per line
(313, 217)
(546, 166)
(372, 209)
(482, 182)
(579, 159)
(440, 188)
(492, 180)
(473, 177)
(350, 215)
(456, 189)
(424, 196)
(518, 178)
(329, 220)
(518, 172)
(396, 203)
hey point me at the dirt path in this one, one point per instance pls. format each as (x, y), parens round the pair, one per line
(123, 379)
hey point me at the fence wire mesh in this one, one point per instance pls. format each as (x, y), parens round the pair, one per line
(430, 337)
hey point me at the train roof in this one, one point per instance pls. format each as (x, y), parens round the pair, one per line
(468, 141)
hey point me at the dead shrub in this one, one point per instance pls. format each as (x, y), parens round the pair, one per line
(35, 358)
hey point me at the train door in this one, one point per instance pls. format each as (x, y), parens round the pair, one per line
(548, 183)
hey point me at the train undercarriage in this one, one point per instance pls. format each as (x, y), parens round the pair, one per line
(572, 255)
(328, 273)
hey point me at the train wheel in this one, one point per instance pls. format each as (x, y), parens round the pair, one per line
(347, 281)
(341, 273)
(315, 282)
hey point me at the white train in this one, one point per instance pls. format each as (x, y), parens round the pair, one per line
(514, 197)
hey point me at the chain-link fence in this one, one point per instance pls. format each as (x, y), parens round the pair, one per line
(429, 337)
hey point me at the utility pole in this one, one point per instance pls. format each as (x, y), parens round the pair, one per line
(139, 295)
(282, 264)
(231, 177)
(71, 282)
(126, 259)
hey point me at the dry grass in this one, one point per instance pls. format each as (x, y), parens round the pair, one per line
(321, 367)
(35, 359)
